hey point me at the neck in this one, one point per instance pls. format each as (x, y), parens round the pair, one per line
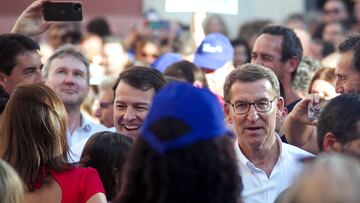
(264, 158)
(74, 118)
(290, 93)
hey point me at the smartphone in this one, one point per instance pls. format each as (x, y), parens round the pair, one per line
(63, 11)
(314, 109)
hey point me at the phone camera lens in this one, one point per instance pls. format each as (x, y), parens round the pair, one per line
(77, 7)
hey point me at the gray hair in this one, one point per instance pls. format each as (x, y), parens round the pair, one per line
(250, 73)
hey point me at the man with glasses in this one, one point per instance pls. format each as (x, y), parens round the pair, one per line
(105, 110)
(253, 102)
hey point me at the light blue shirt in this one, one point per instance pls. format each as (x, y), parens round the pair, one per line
(78, 139)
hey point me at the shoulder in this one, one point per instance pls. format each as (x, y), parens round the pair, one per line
(295, 152)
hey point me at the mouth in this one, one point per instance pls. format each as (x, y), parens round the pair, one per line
(253, 128)
(131, 127)
(69, 91)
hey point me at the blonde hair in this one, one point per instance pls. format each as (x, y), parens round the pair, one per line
(11, 187)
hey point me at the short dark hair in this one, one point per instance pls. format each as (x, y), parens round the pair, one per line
(341, 117)
(12, 45)
(205, 171)
(242, 42)
(4, 97)
(290, 46)
(106, 152)
(352, 44)
(250, 73)
(141, 77)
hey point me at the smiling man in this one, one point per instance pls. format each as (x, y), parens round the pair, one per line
(134, 90)
(67, 73)
(253, 102)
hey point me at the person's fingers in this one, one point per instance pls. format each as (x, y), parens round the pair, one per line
(45, 26)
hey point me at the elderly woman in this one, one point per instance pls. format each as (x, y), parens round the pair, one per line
(33, 141)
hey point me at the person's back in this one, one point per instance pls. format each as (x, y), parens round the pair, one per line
(33, 141)
(184, 153)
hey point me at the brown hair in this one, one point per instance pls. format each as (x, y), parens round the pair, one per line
(33, 132)
(327, 74)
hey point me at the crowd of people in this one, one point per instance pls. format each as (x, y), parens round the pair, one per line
(176, 113)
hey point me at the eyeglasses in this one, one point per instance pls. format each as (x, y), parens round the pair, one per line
(260, 106)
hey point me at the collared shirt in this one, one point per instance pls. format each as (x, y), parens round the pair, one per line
(258, 187)
(78, 139)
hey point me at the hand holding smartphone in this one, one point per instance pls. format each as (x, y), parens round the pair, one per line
(315, 106)
(63, 11)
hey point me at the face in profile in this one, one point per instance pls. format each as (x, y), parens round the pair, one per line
(347, 79)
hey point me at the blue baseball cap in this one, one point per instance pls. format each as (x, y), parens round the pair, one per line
(196, 107)
(214, 51)
(165, 60)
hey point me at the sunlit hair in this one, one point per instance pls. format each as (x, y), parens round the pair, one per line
(33, 132)
(11, 188)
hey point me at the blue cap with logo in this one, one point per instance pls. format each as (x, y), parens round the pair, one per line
(165, 60)
(214, 51)
(196, 107)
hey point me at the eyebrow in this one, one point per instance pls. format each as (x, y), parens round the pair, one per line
(136, 103)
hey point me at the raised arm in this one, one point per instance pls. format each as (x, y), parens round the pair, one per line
(299, 130)
(31, 21)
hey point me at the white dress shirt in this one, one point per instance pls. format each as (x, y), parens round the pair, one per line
(258, 187)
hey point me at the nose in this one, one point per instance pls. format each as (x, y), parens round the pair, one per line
(97, 113)
(339, 87)
(39, 77)
(252, 115)
(69, 79)
(129, 114)
(256, 60)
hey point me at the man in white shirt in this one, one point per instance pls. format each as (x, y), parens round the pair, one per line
(67, 73)
(253, 102)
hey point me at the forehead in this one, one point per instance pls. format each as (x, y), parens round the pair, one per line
(344, 63)
(68, 62)
(126, 93)
(251, 91)
(268, 43)
(107, 94)
(334, 4)
(28, 59)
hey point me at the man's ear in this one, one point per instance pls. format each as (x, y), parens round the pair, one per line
(3, 79)
(330, 143)
(280, 107)
(293, 64)
(227, 113)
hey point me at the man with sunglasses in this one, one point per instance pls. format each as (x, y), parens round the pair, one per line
(253, 102)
